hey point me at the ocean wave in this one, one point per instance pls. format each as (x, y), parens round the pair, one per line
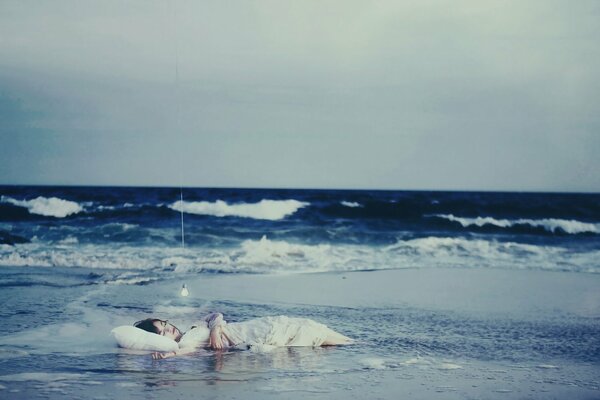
(37, 254)
(272, 210)
(46, 206)
(265, 251)
(351, 204)
(279, 256)
(451, 250)
(553, 225)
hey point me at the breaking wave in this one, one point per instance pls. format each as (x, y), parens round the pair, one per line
(279, 256)
(351, 204)
(553, 225)
(47, 207)
(271, 210)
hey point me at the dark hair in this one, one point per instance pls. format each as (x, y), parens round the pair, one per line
(148, 325)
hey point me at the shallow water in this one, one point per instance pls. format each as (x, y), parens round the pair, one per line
(56, 338)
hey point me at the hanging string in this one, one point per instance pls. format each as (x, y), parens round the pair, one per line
(181, 209)
(184, 290)
(178, 120)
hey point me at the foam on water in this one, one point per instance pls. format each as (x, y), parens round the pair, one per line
(69, 240)
(549, 224)
(12, 353)
(351, 204)
(381, 363)
(547, 366)
(90, 256)
(88, 333)
(373, 363)
(48, 207)
(280, 256)
(268, 252)
(272, 210)
(446, 366)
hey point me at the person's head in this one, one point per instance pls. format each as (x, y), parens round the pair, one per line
(160, 327)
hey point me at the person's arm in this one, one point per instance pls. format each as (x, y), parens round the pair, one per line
(181, 352)
(216, 324)
(216, 342)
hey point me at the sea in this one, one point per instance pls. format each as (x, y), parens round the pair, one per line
(447, 294)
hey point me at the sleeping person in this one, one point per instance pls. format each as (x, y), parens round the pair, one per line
(215, 333)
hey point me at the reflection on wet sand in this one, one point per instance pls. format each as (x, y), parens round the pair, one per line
(219, 367)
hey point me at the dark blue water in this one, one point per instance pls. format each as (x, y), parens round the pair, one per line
(259, 230)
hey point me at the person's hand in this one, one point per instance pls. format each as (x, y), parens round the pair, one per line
(216, 343)
(161, 356)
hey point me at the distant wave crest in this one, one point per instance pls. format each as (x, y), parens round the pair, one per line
(351, 204)
(272, 210)
(553, 225)
(46, 206)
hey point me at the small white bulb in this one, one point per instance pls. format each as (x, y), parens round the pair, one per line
(184, 291)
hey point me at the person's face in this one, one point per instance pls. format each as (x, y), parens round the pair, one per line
(164, 328)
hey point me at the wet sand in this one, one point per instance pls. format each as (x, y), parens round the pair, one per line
(361, 370)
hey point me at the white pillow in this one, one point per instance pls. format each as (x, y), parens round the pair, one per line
(130, 337)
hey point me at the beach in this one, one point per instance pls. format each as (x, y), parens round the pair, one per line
(419, 333)
(448, 295)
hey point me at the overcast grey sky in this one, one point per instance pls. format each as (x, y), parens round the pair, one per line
(492, 95)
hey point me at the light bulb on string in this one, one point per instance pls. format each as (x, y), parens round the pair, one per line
(184, 291)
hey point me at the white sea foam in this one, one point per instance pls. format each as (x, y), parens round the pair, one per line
(12, 353)
(416, 361)
(373, 363)
(448, 366)
(550, 224)
(87, 334)
(38, 254)
(132, 280)
(547, 366)
(48, 207)
(476, 252)
(267, 252)
(351, 204)
(128, 384)
(69, 240)
(278, 256)
(272, 210)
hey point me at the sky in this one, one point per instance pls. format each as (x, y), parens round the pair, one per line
(434, 95)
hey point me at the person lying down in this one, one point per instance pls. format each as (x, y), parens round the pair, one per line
(215, 333)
